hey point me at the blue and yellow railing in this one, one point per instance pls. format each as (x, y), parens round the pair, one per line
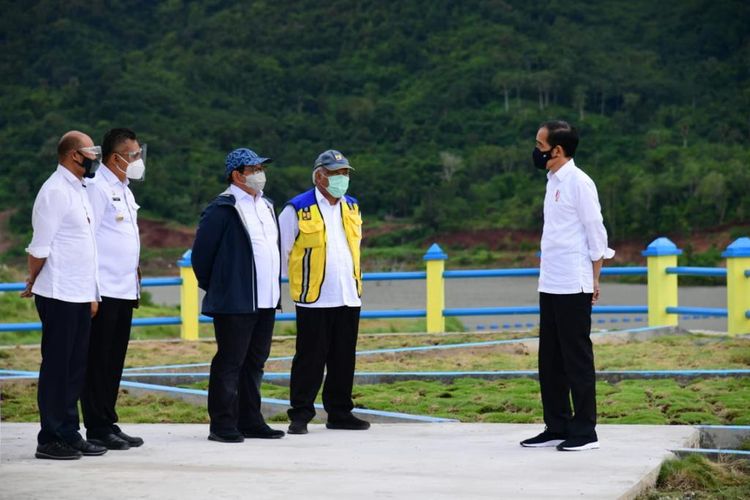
(662, 308)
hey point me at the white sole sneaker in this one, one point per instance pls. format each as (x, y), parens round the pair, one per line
(594, 445)
(546, 444)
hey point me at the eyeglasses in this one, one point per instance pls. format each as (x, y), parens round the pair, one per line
(131, 155)
(94, 150)
(344, 172)
(251, 169)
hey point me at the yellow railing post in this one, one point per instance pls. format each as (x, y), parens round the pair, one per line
(738, 286)
(662, 287)
(188, 299)
(435, 259)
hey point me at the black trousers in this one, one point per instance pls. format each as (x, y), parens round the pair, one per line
(243, 343)
(326, 339)
(110, 333)
(65, 343)
(566, 364)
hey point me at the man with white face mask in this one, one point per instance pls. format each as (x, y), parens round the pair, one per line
(236, 260)
(118, 245)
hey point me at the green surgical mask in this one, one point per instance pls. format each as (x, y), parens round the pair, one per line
(337, 185)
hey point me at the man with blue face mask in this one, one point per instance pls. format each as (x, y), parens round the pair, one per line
(321, 231)
(236, 260)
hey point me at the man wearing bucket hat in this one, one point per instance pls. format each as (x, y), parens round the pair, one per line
(321, 230)
(236, 260)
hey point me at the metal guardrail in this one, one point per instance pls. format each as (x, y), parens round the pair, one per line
(662, 308)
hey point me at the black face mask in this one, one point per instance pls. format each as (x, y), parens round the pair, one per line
(540, 158)
(90, 167)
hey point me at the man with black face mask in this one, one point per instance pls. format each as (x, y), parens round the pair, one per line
(574, 246)
(64, 282)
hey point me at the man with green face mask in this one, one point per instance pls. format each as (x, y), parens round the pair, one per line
(321, 230)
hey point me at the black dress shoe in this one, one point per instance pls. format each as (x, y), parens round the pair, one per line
(349, 423)
(297, 428)
(57, 450)
(111, 442)
(88, 449)
(264, 432)
(226, 437)
(133, 441)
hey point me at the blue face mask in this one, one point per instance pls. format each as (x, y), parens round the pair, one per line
(337, 185)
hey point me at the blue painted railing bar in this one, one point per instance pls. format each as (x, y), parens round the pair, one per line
(718, 272)
(164, 320)
(499, 311)
(507, 273)
(394, 276)
(12, 287)
(491, 273)
(162, 281)
(20, 327)
(705, 311)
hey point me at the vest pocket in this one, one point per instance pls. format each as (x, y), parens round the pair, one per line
(354, 224)
(311, 233)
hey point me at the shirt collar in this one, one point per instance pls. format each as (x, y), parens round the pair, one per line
(322, 199)
(110, 176)
(564, 171)
(69, 176)
(239, 194)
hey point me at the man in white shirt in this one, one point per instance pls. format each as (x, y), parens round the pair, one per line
(63, 280)
(118, 247)
(574, 246)
(321, 231)
(236, 260)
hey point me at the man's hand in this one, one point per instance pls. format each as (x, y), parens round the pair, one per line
(597, 290)
(27, 291)
(94, 308)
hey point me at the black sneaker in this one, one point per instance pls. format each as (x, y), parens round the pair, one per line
(57, 450)
(297, 427)
(579, 444)
(111, 442)
(229, 437)
(349, 423)
(88, 449)
(262, 432)
(133, 441)
(543, 440)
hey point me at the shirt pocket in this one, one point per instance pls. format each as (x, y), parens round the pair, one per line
(311, 233)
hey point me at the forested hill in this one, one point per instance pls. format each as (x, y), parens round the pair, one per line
(436, 102)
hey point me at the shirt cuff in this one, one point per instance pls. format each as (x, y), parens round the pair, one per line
(38, 252)
(608, 254)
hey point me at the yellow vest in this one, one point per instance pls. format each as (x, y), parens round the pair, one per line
(307, 260)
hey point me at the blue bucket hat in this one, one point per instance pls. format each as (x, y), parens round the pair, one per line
(241, 157)
(332, 160)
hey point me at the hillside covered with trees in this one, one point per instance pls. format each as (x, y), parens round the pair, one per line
(435, 102)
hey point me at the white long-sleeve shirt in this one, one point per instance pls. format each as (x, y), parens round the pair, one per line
(63, 221)
(260, 223)
(574, 235)
(339, 287)
(117, 238)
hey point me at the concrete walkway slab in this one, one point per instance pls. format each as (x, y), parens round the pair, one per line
(411, 461)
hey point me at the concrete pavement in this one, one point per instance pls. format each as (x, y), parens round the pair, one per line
(414, 461)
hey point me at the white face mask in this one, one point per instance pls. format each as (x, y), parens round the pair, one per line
(136, 170)
(256, 181)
